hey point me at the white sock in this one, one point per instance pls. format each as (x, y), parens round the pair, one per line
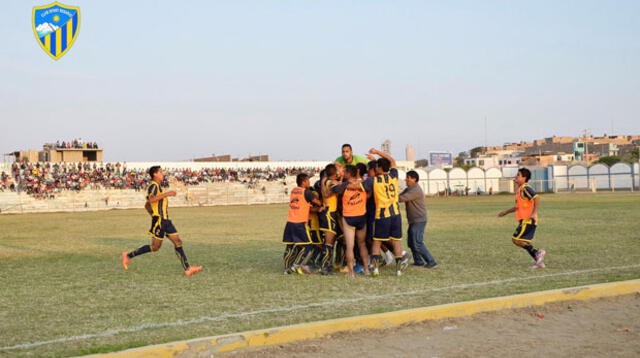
(389, 258)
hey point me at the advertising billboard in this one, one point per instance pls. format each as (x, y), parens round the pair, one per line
(440, 159)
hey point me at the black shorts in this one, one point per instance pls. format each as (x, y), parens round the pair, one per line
(357, 222)
(161, 227)
(296, 234)
(385, 229)
(329, 222)
(525, 230)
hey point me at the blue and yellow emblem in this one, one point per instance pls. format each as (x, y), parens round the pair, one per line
(56, 27)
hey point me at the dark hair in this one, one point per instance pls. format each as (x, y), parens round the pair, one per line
(346, 145)
(330, 170)
(526, 173)
(352, 170)
(373, 164)
(154, 169)
(362, 169)
(413, 174)
(384, 164)
(317, 189)
(322, 173)
(301, 178)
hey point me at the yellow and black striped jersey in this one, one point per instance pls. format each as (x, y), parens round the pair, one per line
(160, 207)
(385, 193)
(331, 202)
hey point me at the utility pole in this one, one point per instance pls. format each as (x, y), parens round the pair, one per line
(485, 134)
(586, 145)
(611, 128)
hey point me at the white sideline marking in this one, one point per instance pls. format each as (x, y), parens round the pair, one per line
(113, 332)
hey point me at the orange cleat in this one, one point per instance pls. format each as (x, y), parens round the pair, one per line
(125, 261)
(192, 270)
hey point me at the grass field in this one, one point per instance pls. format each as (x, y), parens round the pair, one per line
(63, 291)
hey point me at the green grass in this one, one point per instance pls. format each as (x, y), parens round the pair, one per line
(60, 274)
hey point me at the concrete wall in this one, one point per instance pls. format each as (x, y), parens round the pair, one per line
(208, 194)
(620, 176)
(476, 179)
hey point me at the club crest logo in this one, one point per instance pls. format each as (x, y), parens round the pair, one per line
(56, 27)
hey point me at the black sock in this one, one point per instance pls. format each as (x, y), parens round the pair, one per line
(328, 255)
(287, 252)
(317, 255)
(300, 255)
(293, 258)
(533, 252)
(141, 250)
(182, 257)
(308, 253)
(289, 256)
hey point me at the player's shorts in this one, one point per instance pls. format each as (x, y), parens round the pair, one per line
(525, 230)
(385, 229)
(161, 227)
(316, 237)
(357, 222)
(296, 234)
(329, 222)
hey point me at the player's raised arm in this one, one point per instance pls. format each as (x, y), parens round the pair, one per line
(326, 189)
(383, 155)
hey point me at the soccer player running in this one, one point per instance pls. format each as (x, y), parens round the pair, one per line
(157, 205)
(388, 221)
(354, 209)
(296, 235)
(526, 209)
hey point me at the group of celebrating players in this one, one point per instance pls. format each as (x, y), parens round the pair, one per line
(352, 204)
(355, 203)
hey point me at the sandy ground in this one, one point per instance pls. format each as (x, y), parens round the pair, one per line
(599, 328)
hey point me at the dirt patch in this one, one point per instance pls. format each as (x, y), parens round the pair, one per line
(598, 328)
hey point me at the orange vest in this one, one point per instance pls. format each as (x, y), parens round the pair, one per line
(298, 206)
(354, 202)
(524, 206)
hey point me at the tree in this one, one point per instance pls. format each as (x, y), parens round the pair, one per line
(459, 160)
(421, 163)
(632, 156)
(609, 160)
(465, 167)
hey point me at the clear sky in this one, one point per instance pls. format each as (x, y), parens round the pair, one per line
(170, 80)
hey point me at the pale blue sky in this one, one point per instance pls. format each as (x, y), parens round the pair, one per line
(160, 80)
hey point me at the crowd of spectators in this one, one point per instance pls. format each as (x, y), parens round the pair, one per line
(45, 180)
(76, 144)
